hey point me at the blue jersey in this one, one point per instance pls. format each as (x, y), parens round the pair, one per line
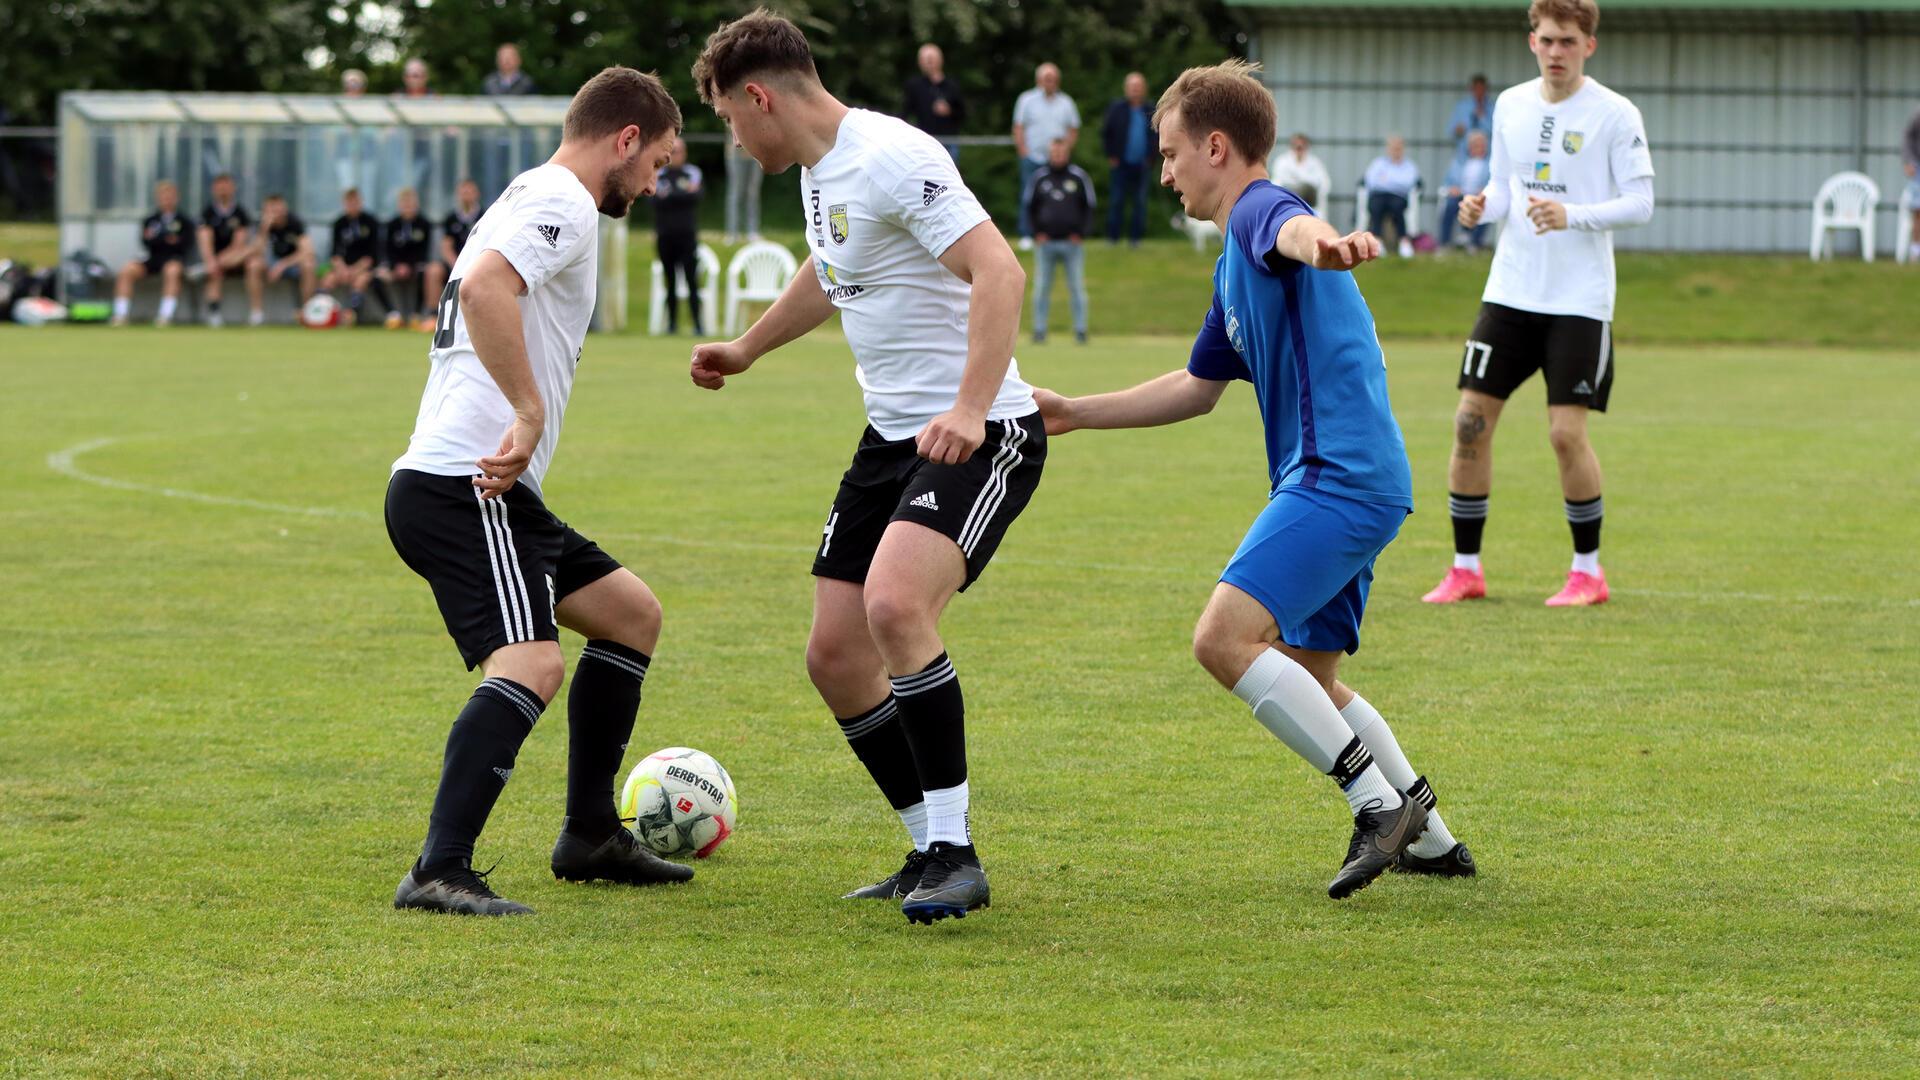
(1305, 340)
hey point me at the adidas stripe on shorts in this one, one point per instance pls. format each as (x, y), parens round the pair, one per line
(497, 566)
(1508, 345)
(971, 503)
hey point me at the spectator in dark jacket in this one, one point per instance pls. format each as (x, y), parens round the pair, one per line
(1133, 152)
(933, 101)
(676, 230)
(508, 78)
(1059, 202)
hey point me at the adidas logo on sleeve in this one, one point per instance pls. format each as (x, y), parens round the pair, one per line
(931, 191)
(549, 233)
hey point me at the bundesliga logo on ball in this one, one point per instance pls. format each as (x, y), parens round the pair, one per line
(681, 802)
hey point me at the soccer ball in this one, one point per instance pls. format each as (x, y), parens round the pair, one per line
(320, 313)
(681, 802)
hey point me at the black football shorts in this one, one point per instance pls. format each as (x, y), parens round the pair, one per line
(1508, 345)
(971, 503)
(497, 566)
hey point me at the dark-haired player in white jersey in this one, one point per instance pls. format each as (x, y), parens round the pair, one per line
(1569, 164)
(929, 294)
(464, 508)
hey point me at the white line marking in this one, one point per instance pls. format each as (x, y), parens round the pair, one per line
(62, 462)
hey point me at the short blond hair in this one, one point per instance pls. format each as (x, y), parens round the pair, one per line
(1582, 13)
(1226, 97)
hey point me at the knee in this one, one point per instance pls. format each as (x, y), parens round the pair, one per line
(1220, 653)
(832, 662)
(892, 616)
(541, 672)
(1567, 441)
(1469, 426)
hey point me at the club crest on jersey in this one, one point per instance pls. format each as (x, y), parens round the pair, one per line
(837, 222)
(1572, 141)
(1543, 170)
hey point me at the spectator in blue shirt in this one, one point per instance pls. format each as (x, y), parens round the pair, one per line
(1132, 148)
(1390, 181)
(1472, 113)
(1467, 176)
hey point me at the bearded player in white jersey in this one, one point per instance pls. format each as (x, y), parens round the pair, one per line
(1569, 164)
(464, 508)
(929, 295)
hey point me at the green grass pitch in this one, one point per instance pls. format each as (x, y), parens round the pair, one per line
(222, 703)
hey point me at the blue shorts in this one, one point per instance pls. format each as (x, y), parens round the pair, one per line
(1309, 560)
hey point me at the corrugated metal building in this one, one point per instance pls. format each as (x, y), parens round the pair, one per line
(1749, 105)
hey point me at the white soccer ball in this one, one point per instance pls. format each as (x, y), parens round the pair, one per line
(320, 313)
(681, 802)
(38, 311)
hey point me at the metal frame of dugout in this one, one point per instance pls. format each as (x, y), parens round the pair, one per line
(113, 147)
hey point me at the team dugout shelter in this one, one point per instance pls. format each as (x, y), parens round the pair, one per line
(113, 147)
(1749, 105)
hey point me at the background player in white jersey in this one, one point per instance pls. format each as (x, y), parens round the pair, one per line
(929, 295)
(464, 508)
(1569, 164)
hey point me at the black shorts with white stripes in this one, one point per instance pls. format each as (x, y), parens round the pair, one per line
(497, 566)
(971, 503)
(1573, 353)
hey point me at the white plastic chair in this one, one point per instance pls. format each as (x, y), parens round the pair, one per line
(1413, 207)
(708, 274)
(1846, 201)
(759, 272)
(1903, 227)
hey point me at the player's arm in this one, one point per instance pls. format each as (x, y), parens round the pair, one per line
(1310, 240)
(1169, 399)
(982, 259)
(490, 294)
(1631, 166)
(802, 306)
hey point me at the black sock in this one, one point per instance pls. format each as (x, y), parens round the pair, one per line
(1584, 519)
(480, 752)
(601, 707)
(355, 301)
(879, 740)
(1469, 514)
(932, 716)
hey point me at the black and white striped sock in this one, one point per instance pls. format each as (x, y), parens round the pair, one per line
(1583, 518)
(880, 743)
(601, 707)
(933, 716)
(1469, 514)
(481, 748)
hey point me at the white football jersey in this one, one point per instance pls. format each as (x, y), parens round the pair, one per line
(1576, 151)
(881, 208)
(547, 225)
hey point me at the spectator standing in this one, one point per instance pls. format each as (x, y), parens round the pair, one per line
(353, 83)
(225, 236)
(1470, 114)
(1467, 176)
(1298, 169)
(1041, 115)
(507, 78)
(167, 235)
(1910, 155)
(743, 193)
(1390, 181)
(933, 101)
(1059, 201)
(1127, 136)
(413, 79)
(676, 234)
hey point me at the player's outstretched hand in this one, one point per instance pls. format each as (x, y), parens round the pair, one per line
(1054, 410)
(1471, 207)
(499, 472)
(1546, 214)
(713, 361)
(951, 438)
(1345, 252)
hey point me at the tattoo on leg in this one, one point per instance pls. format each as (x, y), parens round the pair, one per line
(1468, 426)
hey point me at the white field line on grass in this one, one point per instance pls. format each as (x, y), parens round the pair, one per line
(64, 463)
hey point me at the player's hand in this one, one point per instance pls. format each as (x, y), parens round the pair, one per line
(952, 437)
(503, 469)
(713, 361)
(1546, 214)
(1055, 410)
(1471, 207)
(1345, 252)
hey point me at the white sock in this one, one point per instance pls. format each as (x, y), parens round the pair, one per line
(1291, 703)
(167, 304)
(947, 816)
(1588, 563)
(1367, 723)
(120, 306)
(915, 819)
(1466, 562)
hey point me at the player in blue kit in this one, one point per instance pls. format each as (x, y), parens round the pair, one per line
(1288, 318)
